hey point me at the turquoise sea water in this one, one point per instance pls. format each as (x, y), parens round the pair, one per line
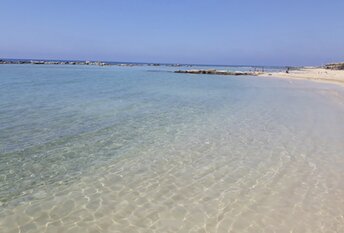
(142, 149)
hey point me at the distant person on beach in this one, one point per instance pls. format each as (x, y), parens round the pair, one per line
(287, 71)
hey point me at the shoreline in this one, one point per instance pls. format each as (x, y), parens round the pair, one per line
(326, 74)
(312, 74)
(315, 74)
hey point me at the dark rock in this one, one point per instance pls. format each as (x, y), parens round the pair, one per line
(335, 66)
(218, 72)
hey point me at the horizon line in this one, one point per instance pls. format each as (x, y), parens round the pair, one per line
(160, 63)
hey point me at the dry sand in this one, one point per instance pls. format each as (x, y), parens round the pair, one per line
(315, 74)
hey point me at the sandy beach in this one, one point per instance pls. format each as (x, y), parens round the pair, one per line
(314, 74)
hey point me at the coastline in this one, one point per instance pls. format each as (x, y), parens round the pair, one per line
(313, 74)
(330, 73)
(78, 62)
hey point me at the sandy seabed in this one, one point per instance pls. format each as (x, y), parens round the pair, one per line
(174, 153)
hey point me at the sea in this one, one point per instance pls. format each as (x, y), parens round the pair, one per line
(144, 149)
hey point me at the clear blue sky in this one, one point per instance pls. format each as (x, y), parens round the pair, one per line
(261, 32)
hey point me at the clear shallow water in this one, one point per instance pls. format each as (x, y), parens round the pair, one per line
(111, 149)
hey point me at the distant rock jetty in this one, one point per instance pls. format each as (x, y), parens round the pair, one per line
(218, 72)
(335, 66)
(41, 62)
(94, 63)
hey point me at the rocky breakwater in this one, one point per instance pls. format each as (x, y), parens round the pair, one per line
(335, 66)
(45, 62)
(218, 72)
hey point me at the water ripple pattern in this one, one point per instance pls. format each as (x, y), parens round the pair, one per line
(118, 149)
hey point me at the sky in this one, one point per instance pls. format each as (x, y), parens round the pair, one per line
(232, 32)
